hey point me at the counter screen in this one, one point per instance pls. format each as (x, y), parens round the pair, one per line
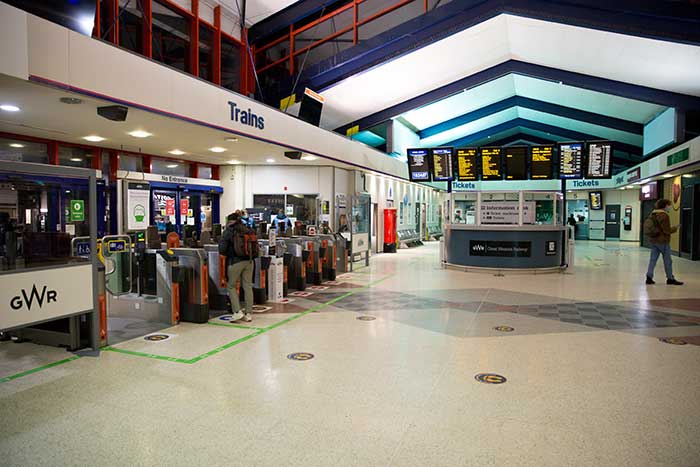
(571, 160)
(418, 165)
(491, 163)
(442, 164)
(516, 162)
(467, 165)
(541, 162)
(599, 160)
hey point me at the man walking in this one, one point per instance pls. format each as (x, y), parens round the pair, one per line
(236, 245)
(658, 228)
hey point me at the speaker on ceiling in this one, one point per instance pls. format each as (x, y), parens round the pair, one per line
(294, 155)
(116, 113)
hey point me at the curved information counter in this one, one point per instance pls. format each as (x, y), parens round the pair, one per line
(513, 230)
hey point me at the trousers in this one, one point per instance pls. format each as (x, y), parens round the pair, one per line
(663, 249)
(243, 271)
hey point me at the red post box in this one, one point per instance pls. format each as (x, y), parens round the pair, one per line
(390, 230)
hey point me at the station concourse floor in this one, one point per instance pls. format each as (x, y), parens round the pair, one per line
(589, 382)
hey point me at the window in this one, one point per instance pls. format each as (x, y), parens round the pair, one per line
(230, 64)
(74, 157)
(204, 171)
(206, 53)
(299, 207)
(170, 167)
(131, 25)
(23, 151)
(171, 37)
(130, 163)
(464, 211)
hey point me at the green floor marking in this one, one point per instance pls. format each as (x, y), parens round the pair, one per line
(146, 355)
(238, 326)
(223, 347)
(38, 369)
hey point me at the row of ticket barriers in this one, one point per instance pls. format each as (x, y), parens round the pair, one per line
(172, 284)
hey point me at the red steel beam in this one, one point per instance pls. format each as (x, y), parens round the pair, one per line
(194, 39)
(147, 45)
(216, 52)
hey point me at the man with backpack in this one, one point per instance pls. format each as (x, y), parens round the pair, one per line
(240, 247)
(658, 228)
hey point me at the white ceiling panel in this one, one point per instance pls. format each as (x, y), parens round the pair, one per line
(470, 128)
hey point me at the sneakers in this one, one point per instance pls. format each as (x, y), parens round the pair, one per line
(650, 280)
(237, 316)
(674, 282)
(247, 318)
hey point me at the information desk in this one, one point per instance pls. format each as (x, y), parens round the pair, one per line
(505, 230)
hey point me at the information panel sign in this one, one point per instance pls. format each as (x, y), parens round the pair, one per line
(491, 163)
(571, 160)
(418, 165)
(467, 165)
(541, 162)
(442, 164)
(516, 162)
(599, 160)
(138, 206)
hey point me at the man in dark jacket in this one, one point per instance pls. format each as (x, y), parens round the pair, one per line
(237, 268)
(661, 243)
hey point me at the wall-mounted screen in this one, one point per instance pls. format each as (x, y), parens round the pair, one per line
(595, 200)
(542, 162)
(650, 191)
(467, 167)
(442, 164)
(516, 162)
(599, 161)
(491, 163)
(418, 165)
(571, 160)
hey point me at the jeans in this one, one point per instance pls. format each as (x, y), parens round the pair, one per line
(242, 270)
(656, 250)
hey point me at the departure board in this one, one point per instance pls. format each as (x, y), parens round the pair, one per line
(541, 162)
(491, 164)
(466, 165)
(599, 160)
(418, 165)
(516, 162)
(442, 164)
(570, 160)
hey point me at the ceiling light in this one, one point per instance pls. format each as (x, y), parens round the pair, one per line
(71, 100)
(270, 161)
(234, 162)
(171, 166)
(16, 145)
(688, 176)
(217, 149)
(232, 140)
(309, 158)
(668, 175)
(140, 134)
(9, 108)
(176, 152)
(93, 138)
(76, 159)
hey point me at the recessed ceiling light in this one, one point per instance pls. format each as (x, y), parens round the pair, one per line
(176, 152)
(76, 159)
(71, 100)
(16, 145)
(93, 138)
(309, 158)
(668, 175)
(9, 108)
(232, 140)
(217, 149)
(171, 166)
(270, 161)
(140, 134)
(234, 162)
(688, 176)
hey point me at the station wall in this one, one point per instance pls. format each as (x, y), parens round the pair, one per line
(623, 198)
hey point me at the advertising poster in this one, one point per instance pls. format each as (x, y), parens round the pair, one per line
(184, 207)
(137, 206)
(170, 207)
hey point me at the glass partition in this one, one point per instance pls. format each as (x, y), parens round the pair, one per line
(507, 208)
(465, 208)
(500, 208)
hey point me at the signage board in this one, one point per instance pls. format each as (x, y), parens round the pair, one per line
(542, 162)
(442, 164)
(571, 160)
(678, 157)
(491, 163)
(467, 167)
(595, 200)
(506, 212)
(599, 163)
(77, 210)
(500, 248)
(184, 207)
(418, 165)
(170, 207)
(516, 162)
(649, 191)
(138, 205)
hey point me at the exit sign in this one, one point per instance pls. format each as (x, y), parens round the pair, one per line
(677, 157)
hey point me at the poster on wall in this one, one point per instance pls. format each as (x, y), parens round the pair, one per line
(185, 207)
(138, 205)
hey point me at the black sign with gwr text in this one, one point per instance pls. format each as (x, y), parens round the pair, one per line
(493, 248)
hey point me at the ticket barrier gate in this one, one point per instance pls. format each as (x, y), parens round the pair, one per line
(342, 254)
(218, 295)
(261, 265)
(329, 260)
(314, 268)
(297, 256)
(195, 292)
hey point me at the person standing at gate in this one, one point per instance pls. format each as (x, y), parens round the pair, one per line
(240, 246)
(659, 230)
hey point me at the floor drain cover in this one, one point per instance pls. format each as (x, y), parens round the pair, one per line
(504, 328)
(490, 378)
(366, 318)
(672, 340)
(300, 356)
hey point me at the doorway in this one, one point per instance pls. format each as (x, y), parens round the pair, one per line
(612, 221)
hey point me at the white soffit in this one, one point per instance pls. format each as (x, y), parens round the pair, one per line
(646, 62)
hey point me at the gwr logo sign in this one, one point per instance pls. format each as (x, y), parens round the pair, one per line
(28, 300)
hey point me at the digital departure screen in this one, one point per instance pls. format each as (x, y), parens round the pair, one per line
(599, 160)
(516, 162)
(418, 165)
(467, 165)
(491, 163)
(541, 162)
(571, 160)
(442, 164)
